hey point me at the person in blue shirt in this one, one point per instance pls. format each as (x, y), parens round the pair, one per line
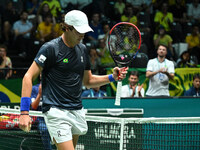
(94, 92)
(195, 89)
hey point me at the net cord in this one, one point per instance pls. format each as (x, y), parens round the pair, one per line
(164, 120)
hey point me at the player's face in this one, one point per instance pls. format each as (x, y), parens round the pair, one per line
(162, 51)
(74, 36)
(196, 83)
(133, 80)
(78, 36)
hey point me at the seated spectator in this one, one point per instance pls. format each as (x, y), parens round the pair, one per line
(185, 61)
(195, 89)
(46, 30)
(22, 30)
(129, 15)
(133, 89)
(68, 5)
(95, 61)
(54, 6)
(164, 18)
(9, 16)
(97, 28)
(179, 12)
(43, 11)
(193, 12)
(32, 7)
(5, 63)
(106, 30)
(94, 92)
(119, 9)
(193, 41)
(165, 39)
(105, 57)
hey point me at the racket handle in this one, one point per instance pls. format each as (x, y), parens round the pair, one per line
(118, 94)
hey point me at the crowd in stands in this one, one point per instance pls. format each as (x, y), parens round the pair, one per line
(27, 24)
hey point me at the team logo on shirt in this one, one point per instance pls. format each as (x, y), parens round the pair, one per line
(42, 58)
(65, 60)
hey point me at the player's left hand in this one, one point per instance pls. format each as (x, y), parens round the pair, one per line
(120, 73)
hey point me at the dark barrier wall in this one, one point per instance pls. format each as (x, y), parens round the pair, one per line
(153, 107)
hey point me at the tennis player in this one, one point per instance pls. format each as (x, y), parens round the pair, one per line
(64, 63)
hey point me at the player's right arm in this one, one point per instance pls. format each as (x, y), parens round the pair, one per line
(29, 77)
(150, 71)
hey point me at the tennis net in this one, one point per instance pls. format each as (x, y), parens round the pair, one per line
(107, 133)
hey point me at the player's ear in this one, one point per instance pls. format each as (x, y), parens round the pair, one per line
(63, 27)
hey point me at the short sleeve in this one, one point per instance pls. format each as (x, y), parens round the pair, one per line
(171, 67)
(45, 56)
(149, 66)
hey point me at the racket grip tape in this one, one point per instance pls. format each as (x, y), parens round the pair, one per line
(118, 93)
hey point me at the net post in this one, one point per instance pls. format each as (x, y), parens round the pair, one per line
(121, 135)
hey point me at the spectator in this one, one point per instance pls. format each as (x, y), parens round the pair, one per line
(97, 28)
(119, 9)
(36, 105)
(195, 89)
(159, 71)
(133, 89)
(104, 35)
(164, 18)
(18, 5)
(105, 57)
(68, 5)
(32, 7)
(46, 29)
(185, 61)
(94, 92)
(9, 16)
(5, 63)
(129, 15)
(54, 6)
(194, 12)
(95, 61)
(22, 30)
(164, 39)
(193, 41)
(43, 11)
(179, 12)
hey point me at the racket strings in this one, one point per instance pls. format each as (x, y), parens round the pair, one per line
(124, 43)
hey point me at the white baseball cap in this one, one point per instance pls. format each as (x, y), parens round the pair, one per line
(78, 20)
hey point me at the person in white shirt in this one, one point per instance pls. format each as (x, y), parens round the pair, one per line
(133, 89)
(159, 71)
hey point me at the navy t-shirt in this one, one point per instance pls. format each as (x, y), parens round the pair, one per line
(62, 75)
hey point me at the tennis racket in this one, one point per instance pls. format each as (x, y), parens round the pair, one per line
(124, 42)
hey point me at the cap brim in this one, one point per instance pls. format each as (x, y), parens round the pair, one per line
(83, 29)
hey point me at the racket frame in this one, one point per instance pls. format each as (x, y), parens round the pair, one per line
(119, 83)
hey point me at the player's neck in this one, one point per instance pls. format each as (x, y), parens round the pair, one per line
(161, 59)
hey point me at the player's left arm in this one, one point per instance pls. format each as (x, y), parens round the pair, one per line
(170, 71)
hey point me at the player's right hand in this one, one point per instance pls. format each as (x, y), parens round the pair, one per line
(25, 123)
